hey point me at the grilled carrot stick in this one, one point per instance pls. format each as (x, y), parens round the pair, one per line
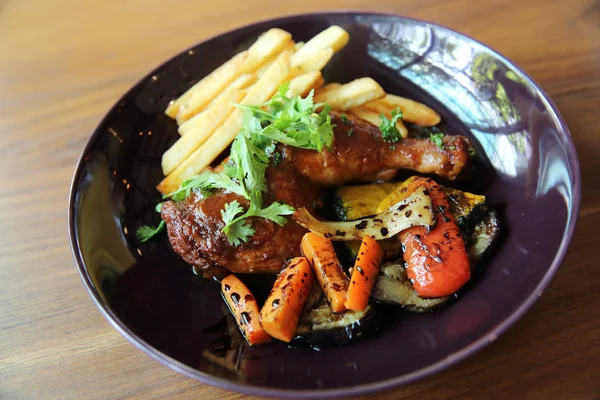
(281, 312)
(364, 273)
(243, 306)
(437, 261)
(320, 254)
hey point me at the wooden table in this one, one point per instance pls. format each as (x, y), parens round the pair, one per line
(63, 63)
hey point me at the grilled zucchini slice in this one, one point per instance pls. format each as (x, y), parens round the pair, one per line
(467, 209)
(359, 201)
(394, 287)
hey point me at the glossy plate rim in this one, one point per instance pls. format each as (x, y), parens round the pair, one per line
(395, 382)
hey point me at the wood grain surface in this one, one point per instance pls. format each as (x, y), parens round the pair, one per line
(63, 63)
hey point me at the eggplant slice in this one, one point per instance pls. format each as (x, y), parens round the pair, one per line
(319, 327)
(483, 238)
(394, 287)
(348, 251)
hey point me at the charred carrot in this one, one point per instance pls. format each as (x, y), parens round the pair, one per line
(243, 306)
(364, 273)
(437, 261)
(281, 312)
(320, 254)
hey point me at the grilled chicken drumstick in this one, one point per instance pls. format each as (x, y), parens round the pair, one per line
(194, 225)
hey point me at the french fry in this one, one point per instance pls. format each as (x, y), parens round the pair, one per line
(261, 71)
(268, 84)
(334, 37)
(221, 167)
(350, 95)
(313, 62)
(319, 83)
(208, 88)
(204, 155)
(241, 82)
(228, 97)
(212, 80)
(301, 85)
(412, 111)
(199, 129)
(290, 46)
(373, 117)
(328, 87)
(172, 109)
(267, 46)
(367, 115)
(298, 46)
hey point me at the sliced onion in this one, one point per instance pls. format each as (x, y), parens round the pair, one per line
(415, 210)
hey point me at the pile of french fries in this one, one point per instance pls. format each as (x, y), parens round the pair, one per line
(208, 120)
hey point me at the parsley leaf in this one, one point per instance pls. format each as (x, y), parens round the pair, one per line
(471, 151)
(238, 232)
(230, 211)
(277, 157)
(437, 139)
(222, 181)
(389, 131)
(236, 229)
(344, 119)
(275, 212)
(145, 233)
(204, 183)
(251, 163)
(293, 121)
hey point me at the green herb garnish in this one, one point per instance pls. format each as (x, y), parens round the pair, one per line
(389, 131)
(238, 230)
(437, 138)
(471, 151)
(276, 159)
(293, 121)
(344, 119)
(350, 132)
(146, 233)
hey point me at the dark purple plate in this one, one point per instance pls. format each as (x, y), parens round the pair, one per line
(526, 165)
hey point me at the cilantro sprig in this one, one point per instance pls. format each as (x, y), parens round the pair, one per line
(437, 139)
(389, 131)
(238, 230)
(293, 121)
(146, 233)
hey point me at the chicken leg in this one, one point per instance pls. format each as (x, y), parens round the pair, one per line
(358, 152)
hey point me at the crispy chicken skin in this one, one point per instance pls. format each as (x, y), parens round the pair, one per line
(362, 153)
(194, 225)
